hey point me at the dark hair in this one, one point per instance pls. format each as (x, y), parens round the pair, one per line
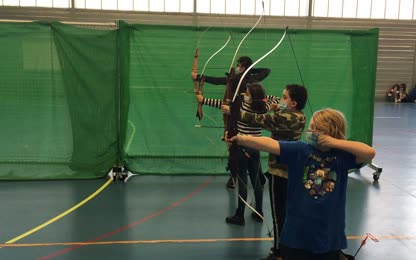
(245, 61)
(299, 94)
(258, 96)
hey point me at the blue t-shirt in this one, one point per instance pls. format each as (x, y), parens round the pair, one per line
(316, 197)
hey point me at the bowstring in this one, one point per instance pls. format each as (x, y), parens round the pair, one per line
(299, 71)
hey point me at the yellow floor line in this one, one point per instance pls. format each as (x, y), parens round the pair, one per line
(59, 216)
(214, 240)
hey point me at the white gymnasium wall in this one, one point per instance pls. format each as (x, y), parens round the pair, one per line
(397, 43)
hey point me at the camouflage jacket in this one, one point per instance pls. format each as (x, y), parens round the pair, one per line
(283, 125)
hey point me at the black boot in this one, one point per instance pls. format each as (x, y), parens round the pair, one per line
(231, 183)
(237, 219)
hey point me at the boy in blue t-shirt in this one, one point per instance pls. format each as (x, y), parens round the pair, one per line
(317, 185)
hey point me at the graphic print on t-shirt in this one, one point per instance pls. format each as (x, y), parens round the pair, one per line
(319, 177)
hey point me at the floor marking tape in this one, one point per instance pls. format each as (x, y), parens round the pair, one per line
(60, 215)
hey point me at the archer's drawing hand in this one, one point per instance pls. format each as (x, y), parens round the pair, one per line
(326, 140)
(274, 107)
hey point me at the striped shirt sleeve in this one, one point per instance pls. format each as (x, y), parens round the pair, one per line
(212, 102)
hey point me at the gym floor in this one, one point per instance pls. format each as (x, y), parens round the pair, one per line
(178, 217)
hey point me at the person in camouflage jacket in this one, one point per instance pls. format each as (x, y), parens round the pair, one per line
(287, 123)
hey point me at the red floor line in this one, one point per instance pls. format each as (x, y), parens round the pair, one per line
(173, 205)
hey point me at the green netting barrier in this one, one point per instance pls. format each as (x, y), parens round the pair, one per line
(76, 101)
(57, 101)
(337, 67)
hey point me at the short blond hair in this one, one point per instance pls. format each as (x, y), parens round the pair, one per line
(331, 122)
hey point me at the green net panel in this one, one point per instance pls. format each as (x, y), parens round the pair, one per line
(58, 101)
(75, 101)
(337, 67)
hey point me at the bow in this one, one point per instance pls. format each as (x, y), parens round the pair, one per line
(230, 121)
(194, 73)
(257, 61)
(198, 82)
(245, 36)
(199, 113)
(235, 105)
(229, 90)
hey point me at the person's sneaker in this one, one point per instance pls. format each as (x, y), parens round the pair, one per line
(230, 184)
(256, 217)
(236, 220)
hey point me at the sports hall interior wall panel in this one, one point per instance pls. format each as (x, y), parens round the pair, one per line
(397, 43)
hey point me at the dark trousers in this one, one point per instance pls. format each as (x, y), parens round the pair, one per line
(299, 254)
(249, 164)
(278, 190)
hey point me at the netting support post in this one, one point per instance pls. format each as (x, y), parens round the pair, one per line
(378, 170)
(120, 173)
